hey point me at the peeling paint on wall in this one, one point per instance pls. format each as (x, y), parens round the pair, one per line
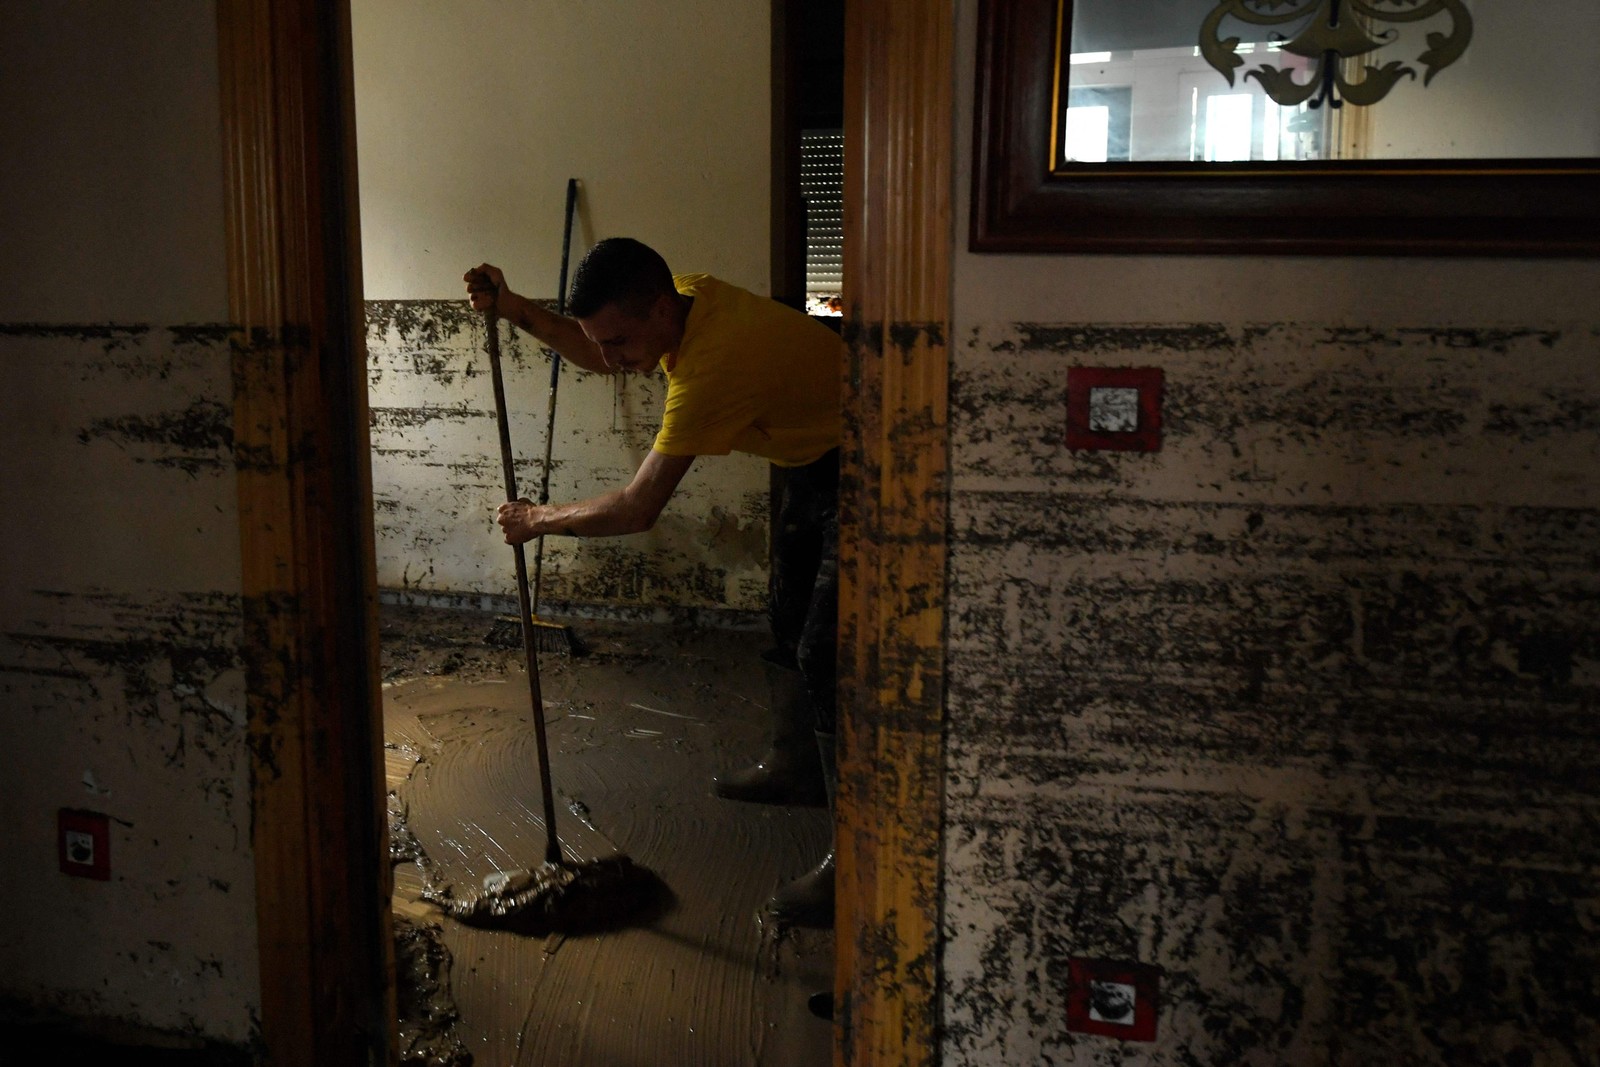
(1300, 710)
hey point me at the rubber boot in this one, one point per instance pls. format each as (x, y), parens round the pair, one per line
(808, 900)
(789, 773)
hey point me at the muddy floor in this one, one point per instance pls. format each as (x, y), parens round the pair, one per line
(636, 729)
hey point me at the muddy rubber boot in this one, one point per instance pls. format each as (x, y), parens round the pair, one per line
(808, 900)
(790, 772)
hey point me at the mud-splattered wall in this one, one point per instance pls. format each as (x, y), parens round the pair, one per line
(1300, 709)
(437, 476)
(121, 687)
(121, 679)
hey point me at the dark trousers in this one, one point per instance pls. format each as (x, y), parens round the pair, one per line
(803, 591)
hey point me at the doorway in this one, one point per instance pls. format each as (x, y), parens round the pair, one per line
(291, 208)
(638, 727)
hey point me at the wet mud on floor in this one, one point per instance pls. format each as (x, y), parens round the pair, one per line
(636, 729)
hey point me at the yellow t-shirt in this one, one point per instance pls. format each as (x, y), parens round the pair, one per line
(751, 375)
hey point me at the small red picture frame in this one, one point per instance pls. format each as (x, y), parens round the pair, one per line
(1114, 408)
(1113, 998)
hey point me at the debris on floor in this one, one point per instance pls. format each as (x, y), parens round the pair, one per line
(428, 1015)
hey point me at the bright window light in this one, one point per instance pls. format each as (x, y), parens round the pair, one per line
(1090, 57)
(1194, 123)
(1228, 127)
(1088, 134)
(1272, 130)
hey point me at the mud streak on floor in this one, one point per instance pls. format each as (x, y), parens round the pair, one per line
(636, 729)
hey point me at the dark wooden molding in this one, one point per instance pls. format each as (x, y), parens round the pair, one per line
(305, 517)
(1548, 207)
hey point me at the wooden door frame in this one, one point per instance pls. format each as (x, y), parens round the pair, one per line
(306, 533)
(899, 92)
(309, 579)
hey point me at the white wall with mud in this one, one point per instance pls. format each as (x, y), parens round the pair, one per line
(1299, 709)
(437, 477)
(121, 685)
(471, 118)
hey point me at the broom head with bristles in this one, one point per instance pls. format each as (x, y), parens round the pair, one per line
(548, 636)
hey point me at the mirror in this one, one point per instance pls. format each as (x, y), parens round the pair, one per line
(1323, 80)
(1290, 126)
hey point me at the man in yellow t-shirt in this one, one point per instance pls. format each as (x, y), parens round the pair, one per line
(746, 374)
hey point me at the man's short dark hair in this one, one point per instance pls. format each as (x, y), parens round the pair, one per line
(621, 271)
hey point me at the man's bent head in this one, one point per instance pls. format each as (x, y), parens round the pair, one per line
(623, 297)
(621, 271)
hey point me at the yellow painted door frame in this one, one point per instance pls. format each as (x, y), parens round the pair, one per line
(899, 62)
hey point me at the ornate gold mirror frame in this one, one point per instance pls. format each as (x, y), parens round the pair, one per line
(1020, 203)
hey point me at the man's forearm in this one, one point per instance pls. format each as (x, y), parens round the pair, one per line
(557, 332)
(610, 514)
(632, 509)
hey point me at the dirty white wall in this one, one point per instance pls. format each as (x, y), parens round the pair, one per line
(121, 690)
(1299, 709)
(471, 118)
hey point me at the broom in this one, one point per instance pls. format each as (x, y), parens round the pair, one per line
(551, 636)
(559, 895)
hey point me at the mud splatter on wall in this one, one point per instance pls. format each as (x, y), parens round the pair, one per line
(1300, 709)
(437, 475)
(122, 689)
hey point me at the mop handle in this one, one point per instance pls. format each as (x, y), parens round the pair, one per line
(555, 379)
(530, 652)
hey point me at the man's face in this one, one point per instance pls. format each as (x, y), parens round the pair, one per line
(633, 342)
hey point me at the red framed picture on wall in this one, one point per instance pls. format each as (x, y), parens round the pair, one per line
(1113, 998)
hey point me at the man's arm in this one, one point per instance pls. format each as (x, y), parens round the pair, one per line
(632, 509)
(486, 288)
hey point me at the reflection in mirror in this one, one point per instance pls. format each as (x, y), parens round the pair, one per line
(1219, 81)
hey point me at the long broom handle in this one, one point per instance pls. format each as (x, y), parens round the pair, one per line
(529, 650)
(555, 379)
